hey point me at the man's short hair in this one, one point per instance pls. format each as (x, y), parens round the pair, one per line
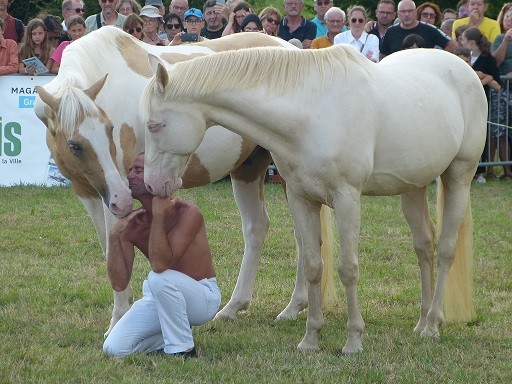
(335, 10)
(209, 4)
(387, 2)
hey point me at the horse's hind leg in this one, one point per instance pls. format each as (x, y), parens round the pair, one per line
(456, 183)
(247, 184)
(416, 212)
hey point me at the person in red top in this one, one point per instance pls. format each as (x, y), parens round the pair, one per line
(13, 28)
(9, 61)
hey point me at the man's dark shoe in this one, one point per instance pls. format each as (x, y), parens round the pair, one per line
(185, 354)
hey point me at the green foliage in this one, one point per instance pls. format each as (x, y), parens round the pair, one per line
(55, 300)
(26, 9)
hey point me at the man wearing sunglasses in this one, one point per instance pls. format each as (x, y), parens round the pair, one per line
(71, 8)
(320, 7)
(107, 16)
(294, 26)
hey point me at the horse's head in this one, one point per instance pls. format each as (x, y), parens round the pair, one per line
(174, 130)
(80, 137)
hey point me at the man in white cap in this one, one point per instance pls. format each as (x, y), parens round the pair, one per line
(152, 20)
(107, 16)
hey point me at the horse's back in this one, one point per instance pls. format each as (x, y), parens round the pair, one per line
(435, 112)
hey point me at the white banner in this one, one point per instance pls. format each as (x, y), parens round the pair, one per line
(24, 156)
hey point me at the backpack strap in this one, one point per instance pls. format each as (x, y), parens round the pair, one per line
(98, 21)
(18, 24)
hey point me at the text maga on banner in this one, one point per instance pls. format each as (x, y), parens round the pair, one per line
(24, 156)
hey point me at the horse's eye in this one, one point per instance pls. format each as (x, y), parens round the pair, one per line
(75, 148)
(154, 127)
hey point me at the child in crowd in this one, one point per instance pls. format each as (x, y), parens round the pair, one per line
(481, 60)
(465, 54)
(35, 43)
(76, 29)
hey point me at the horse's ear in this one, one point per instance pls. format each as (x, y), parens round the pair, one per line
(48, 98)
(94, 89)
(161, 78)
(154, 61)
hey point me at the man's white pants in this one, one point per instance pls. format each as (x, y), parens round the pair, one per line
(172, 303)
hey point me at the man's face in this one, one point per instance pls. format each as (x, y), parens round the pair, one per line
(4, 5)
(194, 24)
(212, 18)
(322, 6)
(71, 11)
(108, 6)
(136, 177)
(179, 7)
(407, 13)
(477, 6)
(293, 7)
(334, 23)
(385, 14)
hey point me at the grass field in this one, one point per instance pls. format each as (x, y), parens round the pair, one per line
(55, 300)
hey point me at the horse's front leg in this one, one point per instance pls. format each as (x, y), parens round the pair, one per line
(347, 205)
(306, 218)
(416, 212)
(255, 222)
(122, 299)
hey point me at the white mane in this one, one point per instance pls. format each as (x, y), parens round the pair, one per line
(279, 69)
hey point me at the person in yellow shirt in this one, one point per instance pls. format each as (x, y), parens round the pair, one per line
(335, 20)
(490, 28)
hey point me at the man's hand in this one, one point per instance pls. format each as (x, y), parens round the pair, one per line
(474, 18)
(121, 224)
(162, 205)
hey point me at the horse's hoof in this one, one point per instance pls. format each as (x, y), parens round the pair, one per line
(420, 326)
(430, 332)
(352, 346)
(305, 346)
(225, 316)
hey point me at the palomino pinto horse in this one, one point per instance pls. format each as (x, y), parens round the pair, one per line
(338, 127)
(94, 132)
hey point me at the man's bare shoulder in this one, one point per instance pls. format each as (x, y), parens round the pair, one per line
(138, 223)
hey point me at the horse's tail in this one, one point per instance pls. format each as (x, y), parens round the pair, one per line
(329, 296)
(458, 294)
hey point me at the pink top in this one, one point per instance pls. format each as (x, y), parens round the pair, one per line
(57, 55)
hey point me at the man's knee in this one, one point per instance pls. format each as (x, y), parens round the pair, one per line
(113, 348)
(161, 282)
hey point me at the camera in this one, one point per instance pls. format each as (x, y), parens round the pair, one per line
(189, 37)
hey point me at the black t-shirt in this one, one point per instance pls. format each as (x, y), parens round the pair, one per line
(395, 36)
(212, 34)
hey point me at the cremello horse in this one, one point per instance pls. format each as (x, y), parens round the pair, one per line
(338, 127)
(94, 132)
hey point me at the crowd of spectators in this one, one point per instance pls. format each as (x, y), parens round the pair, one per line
(394, 27)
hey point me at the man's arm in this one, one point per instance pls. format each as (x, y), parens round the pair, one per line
(166, 248)
(120, 255)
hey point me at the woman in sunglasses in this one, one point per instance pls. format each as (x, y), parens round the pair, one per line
(134, 26)
(270, 18)
(429, 13)
(363, 42)
(173, 25)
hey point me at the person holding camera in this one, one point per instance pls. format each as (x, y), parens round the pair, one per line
(194, 23)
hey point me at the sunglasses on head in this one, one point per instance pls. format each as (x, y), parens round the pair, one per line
(325, 2)
(171, 26)
(354, 20)
(110, 1)
(132, 30)
(272, 21)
